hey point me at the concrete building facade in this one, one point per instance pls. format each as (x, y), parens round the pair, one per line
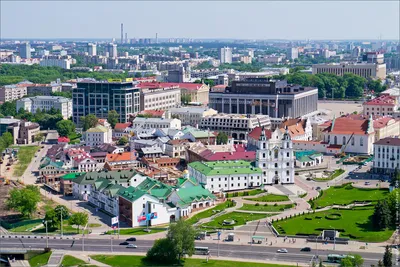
(31, 104)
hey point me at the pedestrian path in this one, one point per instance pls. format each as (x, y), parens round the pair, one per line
(55, 258)
(86, 258)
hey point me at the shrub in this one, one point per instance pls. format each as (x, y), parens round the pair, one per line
(275, 204)
(265, 205)
(308, 218)
(257, 204)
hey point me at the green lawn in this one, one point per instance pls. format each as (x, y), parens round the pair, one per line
(67, 229)
(94, 225)
(72, 261)
(40, 259)
(25, 225)
(335, 174)
(74, 138)
(25, 155)
(269, 198)
(245, 193)
(354, 224)
(208, 213)
(268, 208)
(137, 231)
(240, 218)
(347, 194)
(138, 261)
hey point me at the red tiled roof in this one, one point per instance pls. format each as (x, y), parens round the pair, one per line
(63, 139)
(243, 155)
(295, 127)
(389, 141)
(188, 86)
(122, 126)
(153, 112)
(256, 132)
(347, 125)
(125, 156)
(383, 100)
(382, 122)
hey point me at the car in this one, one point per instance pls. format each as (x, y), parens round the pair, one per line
(351, 173)
(318, 188)
(124, 243)
(367, 183)
(308, 179)
(131, 246)
(282, 250)
(306, 249)
(131, 239)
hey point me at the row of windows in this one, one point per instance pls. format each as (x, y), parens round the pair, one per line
(335, 140)
(383, 150)
(383, 109)
(226, 178)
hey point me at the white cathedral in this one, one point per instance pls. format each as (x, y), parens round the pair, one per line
(275, 157)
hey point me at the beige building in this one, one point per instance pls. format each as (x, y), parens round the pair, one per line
(12, 92)
(197, 92)
(384, 105)
(191, 115)
(43, 89)
(366, 70)
(154, 96)
(24, 132)
(98, 135)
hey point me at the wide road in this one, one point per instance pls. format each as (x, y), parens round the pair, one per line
(255, 252)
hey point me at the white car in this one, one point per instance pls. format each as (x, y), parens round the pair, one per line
(282, 250)
(131, 246)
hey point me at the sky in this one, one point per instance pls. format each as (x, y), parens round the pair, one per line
(292, 20)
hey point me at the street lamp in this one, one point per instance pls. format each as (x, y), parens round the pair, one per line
(47, 234)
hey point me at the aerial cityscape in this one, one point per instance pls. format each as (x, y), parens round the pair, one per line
(166, 133)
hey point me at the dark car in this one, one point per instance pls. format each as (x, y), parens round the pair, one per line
(124, 243)
(306, 249)
(131, 239)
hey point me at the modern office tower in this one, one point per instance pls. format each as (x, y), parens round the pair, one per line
(112, 50)
(91, 48)
(25, 50)
(292, 53)
(225, 55)
(99, 97)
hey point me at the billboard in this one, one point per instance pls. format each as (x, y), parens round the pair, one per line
(114, 220)
(148, 217)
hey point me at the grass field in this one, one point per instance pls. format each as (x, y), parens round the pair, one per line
(137, 231)
(25, 155)
(209, 212)
(335, 174)
(240, 218)
(354, 224)
(40, 259)
(72, 261)
(67, 229)
(94, 225)
(269, 198)
(138, 261)
(348, 194)
(245, 193)
(26, 225)
(267, 208)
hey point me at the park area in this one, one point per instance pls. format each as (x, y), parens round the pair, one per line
(346, 194)
(25, 155)
(269, 198)
(265, 207)
(351, 223)
(210, 212)
(232, 219)
(136, 261)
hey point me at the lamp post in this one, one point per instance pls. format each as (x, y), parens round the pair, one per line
(47, 234)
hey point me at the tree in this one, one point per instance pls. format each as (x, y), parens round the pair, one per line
(6, 140)
(387, 257)
(88, 121)
(79, 219)
(209, 82)
(395, 179)
(53, 221)
(123, 141)
(65, 127)
(222, 138)
(381, 218)
(163, 251)
(380, 263)
(186, 99)
(63, 94)
(24, 200)
(113, 118)
(38, 137)
(182, 235)
(394, 206)
(352, 260)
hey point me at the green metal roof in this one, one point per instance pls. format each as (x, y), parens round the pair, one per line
(131, 194)
(72, 175)
(194, 193)
(182, 181)
(305, 159)
(225, 167)
(91, 177)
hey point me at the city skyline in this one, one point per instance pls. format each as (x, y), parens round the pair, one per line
(290, 20)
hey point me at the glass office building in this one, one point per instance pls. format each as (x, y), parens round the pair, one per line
(99, 97)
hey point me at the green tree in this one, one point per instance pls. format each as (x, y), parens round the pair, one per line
(79, 219)
(53, 221)
(123, 141)
(186, 99)
(113, 118)
(9, 108)
(67, 94)
(6, 140)
(163, 251)
(381, 218)
(395, 179)
(352, 260)
(380, 263)
(182, 235)
(38, 137)
(394, 206)
(387, 257)
(24, 200)
(65, 127)
(138, 75)
(209, 82)
(88, 121)
(222, 138)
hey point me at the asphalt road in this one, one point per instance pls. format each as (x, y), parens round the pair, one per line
(255, 252)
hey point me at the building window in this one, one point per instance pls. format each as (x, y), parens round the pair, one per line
(232, 185)
(287, 154)
(276, 165)
(361, 141)
(287, 172)
(352, 141)
(287, 164)
(335, 140)
(344, 140)
(144, 205)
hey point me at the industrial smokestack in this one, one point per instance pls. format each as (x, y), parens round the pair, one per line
(122, 33)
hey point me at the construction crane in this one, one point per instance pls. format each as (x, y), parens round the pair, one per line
(342, 152)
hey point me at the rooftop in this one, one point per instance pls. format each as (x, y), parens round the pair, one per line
(125, 156)
(382, 100)
(225, 167)
(97, 129)
(256, 132)
(388, 141)
(188, 86)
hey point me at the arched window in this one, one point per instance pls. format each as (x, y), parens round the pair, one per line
(276, 153)
(335, 140)
(344, 140)
(329, 139)
(352, 141)
(361, 141)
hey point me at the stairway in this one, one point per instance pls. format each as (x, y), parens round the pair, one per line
(55, 258)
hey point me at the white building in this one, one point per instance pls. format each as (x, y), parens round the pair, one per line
(64, 63)
(292, 53)
(91, 48)
(31, 104)
(112, 50)
(235, 125)
(386, 155)
(154, 96)
(191, 115)
(98, 135)
(366, 70)
(139, 122)
(225, 55)
(12, 92)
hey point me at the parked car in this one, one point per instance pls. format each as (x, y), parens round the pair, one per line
(124, 243)
(131, 246)
(318, 188)
(367, 183)
(306, 249)
(131, 239)
(282, 250)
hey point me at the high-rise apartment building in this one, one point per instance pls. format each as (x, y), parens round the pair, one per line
(225, 55)
(99, 97)
(25, 50)
(112, 50)
(292, 53)
(91, 48)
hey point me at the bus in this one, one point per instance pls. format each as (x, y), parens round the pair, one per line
(201, 251)
(336, 258)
